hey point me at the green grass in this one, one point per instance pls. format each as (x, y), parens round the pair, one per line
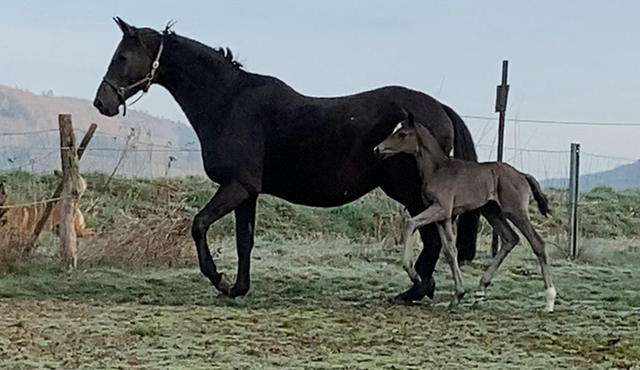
(319, 306)
(321, 284)
(604, 213)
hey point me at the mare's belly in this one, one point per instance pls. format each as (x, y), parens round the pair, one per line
(324, 180)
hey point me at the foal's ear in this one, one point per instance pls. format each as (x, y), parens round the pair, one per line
(408, 117)
(127, 29)
(2, 192)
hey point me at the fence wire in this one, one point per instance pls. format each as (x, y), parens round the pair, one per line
(134, 156)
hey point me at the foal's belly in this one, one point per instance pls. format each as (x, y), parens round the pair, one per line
(466, 207)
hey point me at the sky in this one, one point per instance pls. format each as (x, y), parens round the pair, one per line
(568, 60)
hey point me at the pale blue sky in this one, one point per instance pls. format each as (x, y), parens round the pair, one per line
(569, 60)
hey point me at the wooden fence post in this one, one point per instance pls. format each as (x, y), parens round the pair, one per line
(71, 188)
(56, 194)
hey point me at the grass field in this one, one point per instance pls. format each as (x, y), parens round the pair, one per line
(320, 299)
(322, 305)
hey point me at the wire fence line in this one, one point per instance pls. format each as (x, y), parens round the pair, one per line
(134, 157)
(31, 204)
(554, 122)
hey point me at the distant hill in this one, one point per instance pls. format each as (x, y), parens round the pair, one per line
(155, 146)
(622, 177)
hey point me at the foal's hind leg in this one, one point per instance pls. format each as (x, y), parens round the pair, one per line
(428, 216)
(509, 240)
(522, 222)
(451, 254)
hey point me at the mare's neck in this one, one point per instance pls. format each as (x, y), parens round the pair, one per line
(204, 84)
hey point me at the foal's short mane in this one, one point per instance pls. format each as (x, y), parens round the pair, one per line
(426, 139)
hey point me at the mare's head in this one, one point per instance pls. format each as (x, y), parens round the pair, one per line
(132, 68)
(403, 139)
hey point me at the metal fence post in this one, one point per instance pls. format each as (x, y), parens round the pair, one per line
(574, 177)
(502, 93)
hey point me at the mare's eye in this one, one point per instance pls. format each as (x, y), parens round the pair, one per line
(402, 135)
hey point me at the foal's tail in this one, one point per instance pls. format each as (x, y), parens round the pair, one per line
(541, 199)
(463, 148)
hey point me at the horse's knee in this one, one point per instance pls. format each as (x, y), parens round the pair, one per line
(410, 227)
(407, 265)
(199, 228)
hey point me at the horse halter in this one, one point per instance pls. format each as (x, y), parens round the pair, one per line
(146, 81)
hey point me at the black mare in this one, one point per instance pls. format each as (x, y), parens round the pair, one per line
(259, 136)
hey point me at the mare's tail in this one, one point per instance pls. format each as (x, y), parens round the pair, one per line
(464, 148)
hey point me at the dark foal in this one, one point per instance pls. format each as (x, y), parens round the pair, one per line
(455, 186)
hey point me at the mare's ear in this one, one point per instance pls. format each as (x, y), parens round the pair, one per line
(409, 119)
(127, 29)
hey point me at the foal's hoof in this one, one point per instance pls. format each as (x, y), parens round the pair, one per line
(551, 299)
(457, 298)
(480, 294)
(413, 275)
(224, 285)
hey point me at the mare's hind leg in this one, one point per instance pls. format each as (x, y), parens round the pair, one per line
(522, 222)
(430, 215)
(451, 254)
(227, 198)
(509, 240)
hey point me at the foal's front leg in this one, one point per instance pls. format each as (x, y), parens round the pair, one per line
(432, 214)
(447, 236)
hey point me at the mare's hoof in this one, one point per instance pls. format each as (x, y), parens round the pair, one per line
(418, 291)
(401, 300)
(237, 291)
(429, 287)
(224, 285)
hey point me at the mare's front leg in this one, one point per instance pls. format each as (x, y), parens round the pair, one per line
(226, 199)
(245, 227)
(432, 214)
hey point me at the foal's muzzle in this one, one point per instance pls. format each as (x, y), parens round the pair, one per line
(379, 153)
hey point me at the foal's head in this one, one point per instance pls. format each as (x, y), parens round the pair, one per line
(412, 138)
(132, 68)
(403, 139)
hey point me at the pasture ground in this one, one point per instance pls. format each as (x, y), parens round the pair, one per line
(324, 305)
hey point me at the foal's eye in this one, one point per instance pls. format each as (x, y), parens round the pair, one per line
(402, 135)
